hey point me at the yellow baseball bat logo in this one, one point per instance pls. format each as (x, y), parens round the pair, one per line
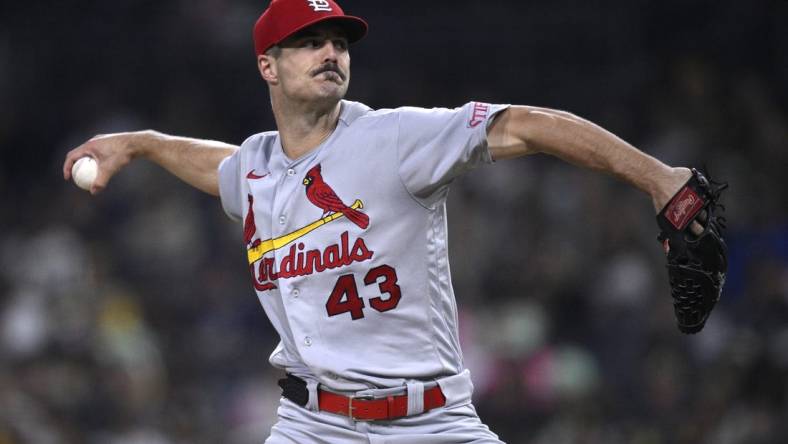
(257, 252)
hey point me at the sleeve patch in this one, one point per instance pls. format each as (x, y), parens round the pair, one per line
(479, 113)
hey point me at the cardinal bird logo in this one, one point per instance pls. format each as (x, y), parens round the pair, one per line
(249, 226)
(320, 193)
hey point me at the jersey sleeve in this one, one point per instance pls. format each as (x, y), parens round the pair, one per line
(437, 145)
(230, 185)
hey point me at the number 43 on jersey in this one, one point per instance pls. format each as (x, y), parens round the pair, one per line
(344, 297)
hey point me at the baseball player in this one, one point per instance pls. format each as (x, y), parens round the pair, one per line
(344, 228)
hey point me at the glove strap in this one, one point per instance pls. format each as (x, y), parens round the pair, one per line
(685, 205)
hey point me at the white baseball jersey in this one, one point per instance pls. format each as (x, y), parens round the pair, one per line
(347, 245)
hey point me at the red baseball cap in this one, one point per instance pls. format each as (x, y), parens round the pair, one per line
(284, 18)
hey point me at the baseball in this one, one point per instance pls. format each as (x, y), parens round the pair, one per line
(84, 172)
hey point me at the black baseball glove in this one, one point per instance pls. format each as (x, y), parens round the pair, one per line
(697, 259)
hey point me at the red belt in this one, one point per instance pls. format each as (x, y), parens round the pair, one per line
(364, 408)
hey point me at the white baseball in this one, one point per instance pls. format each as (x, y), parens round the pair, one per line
(84, 172)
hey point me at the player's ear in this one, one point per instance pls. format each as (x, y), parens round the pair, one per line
(267, 66)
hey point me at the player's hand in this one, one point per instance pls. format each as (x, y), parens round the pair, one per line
(668, 187)
(696, 264)
(111, 151)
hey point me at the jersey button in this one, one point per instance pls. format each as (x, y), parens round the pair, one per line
(307, 341)
(296, 292)
(282, 219)
(291, 172)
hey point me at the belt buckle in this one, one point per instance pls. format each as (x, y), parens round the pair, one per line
(350, 406)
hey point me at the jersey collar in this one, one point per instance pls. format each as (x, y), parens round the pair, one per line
(351, 111)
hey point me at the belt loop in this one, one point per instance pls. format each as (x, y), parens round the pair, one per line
(392, 409)
(312, 404)
(415, 398)
(458, 389)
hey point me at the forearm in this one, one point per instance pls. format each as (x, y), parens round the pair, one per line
(527, 130)
(195, 161)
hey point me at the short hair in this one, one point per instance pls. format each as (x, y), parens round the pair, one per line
(274, 51)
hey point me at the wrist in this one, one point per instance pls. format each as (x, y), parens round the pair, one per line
(667, 184)
(139, 143)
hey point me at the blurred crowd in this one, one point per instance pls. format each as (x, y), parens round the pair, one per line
(129, 318)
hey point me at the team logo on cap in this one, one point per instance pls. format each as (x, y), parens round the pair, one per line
(320, 5)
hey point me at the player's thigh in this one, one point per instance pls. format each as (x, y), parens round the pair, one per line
(296, 425)
(455, 425)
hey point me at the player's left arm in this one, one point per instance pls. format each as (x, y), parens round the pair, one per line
(523, 130)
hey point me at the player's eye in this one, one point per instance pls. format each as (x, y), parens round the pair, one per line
(313, 43)
(340, 44)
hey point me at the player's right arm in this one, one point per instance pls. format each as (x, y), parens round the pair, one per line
(195, 161)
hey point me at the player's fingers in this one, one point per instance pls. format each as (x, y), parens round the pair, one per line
(102, 179)
(696, 228)
(96, 188)
(107, 150)
(107, 168)
(67, 169)
(71, 158)
(94, 148)
(89, 148)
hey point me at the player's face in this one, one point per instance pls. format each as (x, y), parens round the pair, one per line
(314, 64)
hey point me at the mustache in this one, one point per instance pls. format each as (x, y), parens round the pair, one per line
(332, 67)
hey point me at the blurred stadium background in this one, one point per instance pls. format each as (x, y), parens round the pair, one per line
(129, 317)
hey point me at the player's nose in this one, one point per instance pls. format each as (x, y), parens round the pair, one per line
(330, 51)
